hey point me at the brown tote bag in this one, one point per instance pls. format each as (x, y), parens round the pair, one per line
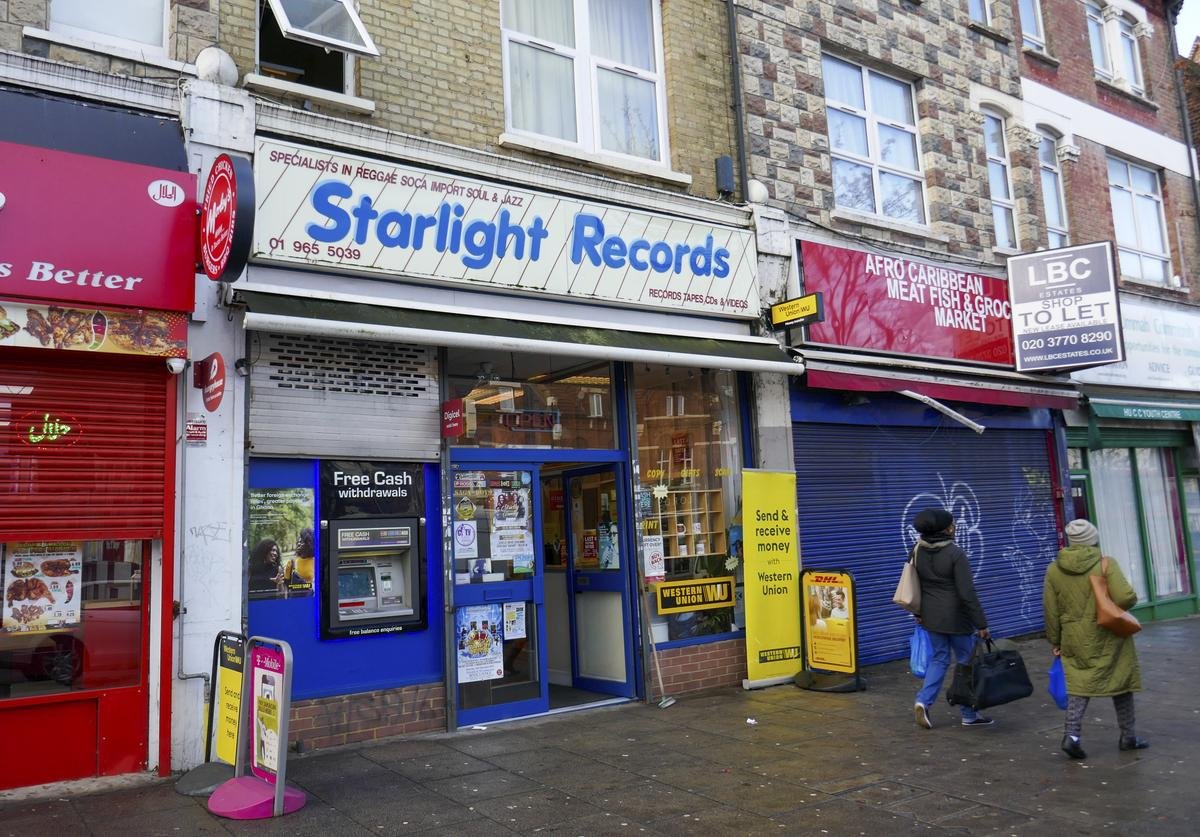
(1108, 615)
(908, 591)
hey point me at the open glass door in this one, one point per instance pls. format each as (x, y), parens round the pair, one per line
(499, 620)
(599, 563)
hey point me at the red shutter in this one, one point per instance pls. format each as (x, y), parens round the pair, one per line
(83, 447)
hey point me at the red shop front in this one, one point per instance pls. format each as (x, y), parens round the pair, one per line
(96, 279)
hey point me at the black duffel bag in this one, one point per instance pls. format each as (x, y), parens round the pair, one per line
(989, 678)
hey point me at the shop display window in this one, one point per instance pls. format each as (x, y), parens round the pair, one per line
(72, 615)
(532, 401)
(689, 454)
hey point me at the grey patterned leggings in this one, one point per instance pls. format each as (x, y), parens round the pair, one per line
(1077, 705)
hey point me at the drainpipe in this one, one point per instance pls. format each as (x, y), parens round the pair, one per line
(181, 444)
(735, 70)
(1172, 7)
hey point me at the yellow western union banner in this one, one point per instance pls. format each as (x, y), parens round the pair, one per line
(772, 575)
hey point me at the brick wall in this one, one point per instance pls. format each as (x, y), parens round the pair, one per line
(350, 719)
(1071, 70)
(440, 76)
(697, 667)
(931, 44)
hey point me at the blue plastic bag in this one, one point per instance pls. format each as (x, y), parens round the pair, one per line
(1057, 687)
(919, 651)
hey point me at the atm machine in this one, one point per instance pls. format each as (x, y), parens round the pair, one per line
(372, 575)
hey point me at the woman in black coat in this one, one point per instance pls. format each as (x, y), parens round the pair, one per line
(950, 609)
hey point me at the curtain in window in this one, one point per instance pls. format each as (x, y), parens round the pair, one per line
(843, 83)
(548, 20)
(542, 91)
(1191, 501)
(1156, 476)
(1112, 482)
(137, 20)
(623, 31)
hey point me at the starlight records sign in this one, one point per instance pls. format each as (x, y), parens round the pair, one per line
(906, 306)
(1065, 311)
(316, 207)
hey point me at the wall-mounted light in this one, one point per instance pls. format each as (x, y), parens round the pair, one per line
(241, 366)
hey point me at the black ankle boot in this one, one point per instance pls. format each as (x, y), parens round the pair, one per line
(1133, 742)
(1071, 747)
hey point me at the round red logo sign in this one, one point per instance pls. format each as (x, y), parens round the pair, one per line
(218, 215)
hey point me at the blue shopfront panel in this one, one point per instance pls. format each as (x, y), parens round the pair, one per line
(358, 664)
(860, 484)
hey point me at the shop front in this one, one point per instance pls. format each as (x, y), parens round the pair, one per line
(565, 378)
(1132, 455)
(88, 433)
(910, 401)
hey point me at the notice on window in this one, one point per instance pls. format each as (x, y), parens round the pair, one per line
(466, 539)
(480, 643)
(282, 545)
(654, 564)
(514, 620)
(514, 545)
(42, 586)
(510, 508)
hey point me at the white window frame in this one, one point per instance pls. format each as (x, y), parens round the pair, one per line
(1055, 169)
(984, 9)
(873, 159)
(295, 33)
(1165, 256)
(1033, 32)
(1116, 28)
(1010, 203)
(104, 39)
(586, 67)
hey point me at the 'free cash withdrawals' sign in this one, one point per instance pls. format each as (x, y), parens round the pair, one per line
(772, 575)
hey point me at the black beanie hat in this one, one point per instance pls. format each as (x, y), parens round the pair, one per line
(932, 521)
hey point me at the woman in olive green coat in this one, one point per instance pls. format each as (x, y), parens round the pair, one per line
(1097, 663)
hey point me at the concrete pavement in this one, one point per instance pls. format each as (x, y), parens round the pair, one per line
(811, 763)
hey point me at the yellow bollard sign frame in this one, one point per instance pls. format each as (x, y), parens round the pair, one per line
(830, 621)
(771, 550)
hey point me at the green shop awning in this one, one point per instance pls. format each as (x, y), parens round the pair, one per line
(1145, 410)
(288, 314)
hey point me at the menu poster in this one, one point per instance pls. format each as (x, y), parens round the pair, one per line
(282, 543)
(266, 683)
(514, 545)
(480, 643)
(42, 586)
(514, 620)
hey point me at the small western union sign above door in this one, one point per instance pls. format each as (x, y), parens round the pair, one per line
(802, 310)
(693, 594)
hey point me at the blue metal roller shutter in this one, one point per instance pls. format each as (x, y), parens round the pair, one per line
(858, 488)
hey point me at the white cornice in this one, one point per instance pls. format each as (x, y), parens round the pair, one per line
(67, 79)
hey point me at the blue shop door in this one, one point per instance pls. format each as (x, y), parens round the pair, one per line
(499, 625)
(599, 566)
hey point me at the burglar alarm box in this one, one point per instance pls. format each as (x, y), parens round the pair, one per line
(372, 579)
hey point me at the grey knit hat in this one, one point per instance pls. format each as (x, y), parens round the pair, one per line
(1082, 533)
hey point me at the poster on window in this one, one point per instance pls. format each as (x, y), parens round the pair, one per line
(510, 508)
(42, 585)
(466, 539)
(282, 544)
(515, 545)
(480, 645)
(514, 620)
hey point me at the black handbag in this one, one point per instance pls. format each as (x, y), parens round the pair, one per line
(989, 678)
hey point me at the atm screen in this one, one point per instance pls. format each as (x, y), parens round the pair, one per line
(357, 583)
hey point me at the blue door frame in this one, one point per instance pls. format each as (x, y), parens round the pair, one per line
(585, 580)
(503, 459)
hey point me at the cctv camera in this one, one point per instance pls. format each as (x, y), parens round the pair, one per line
(175, 365)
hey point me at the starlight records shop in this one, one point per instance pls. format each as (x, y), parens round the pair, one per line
(569, 399)
(87, 418)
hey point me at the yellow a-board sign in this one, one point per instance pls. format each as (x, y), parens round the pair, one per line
(227, 698)
(830, 643)
(772, 576)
